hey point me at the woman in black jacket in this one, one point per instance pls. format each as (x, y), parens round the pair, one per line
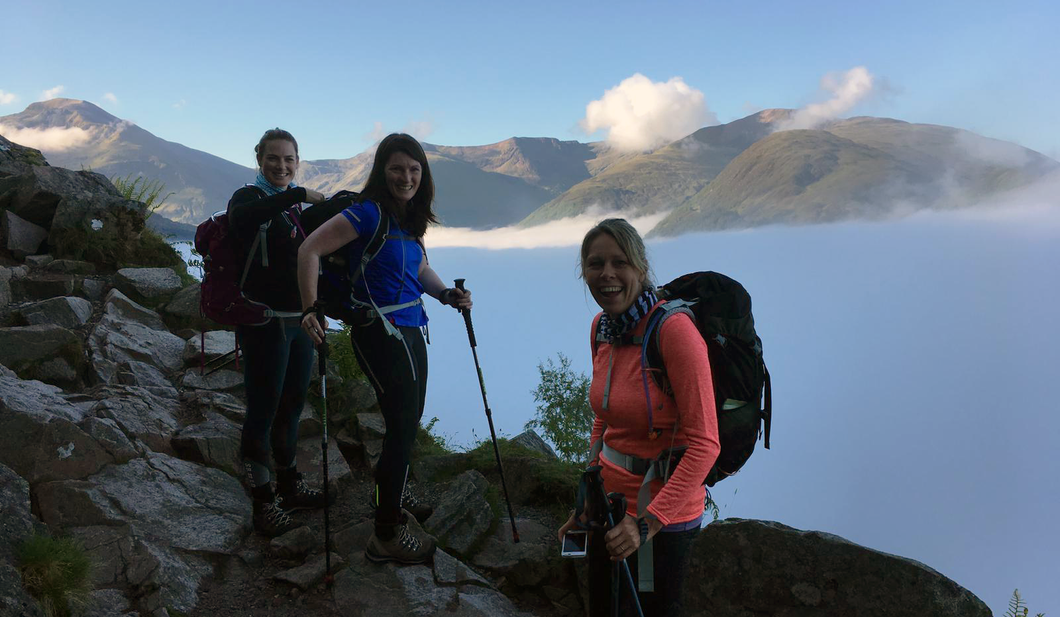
(278, 356)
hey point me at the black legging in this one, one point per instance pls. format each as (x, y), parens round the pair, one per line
(671, 554)
(278, 363)
(401, 390)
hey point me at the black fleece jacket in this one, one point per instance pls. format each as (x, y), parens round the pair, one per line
(276, 284)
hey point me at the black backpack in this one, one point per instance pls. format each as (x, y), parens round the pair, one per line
(336, 283)
(721, 310)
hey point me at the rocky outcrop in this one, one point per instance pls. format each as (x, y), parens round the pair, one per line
(151, 286)
(155, 519)
(16, 525)
(20, 236)
(47, 352)
(744, 568)
(129, 332)
(463, 516)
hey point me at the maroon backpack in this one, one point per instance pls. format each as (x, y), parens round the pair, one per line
(225, 269)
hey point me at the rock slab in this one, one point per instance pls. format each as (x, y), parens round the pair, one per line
(745, 567)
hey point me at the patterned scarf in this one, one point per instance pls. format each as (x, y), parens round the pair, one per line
(267, 186)
(615, 327)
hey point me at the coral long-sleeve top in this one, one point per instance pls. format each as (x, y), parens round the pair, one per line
(691, 409)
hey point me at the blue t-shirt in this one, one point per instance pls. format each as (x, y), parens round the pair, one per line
(392, 277)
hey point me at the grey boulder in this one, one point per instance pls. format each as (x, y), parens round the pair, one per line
(747, 567)
(463, 516)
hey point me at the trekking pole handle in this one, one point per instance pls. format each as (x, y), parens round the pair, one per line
(459, 284)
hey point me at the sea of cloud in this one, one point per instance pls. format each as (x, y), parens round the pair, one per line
(54, 139)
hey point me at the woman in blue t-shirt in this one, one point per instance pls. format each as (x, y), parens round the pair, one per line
(386, 302)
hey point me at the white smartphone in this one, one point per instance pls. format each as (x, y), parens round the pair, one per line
(574, 543)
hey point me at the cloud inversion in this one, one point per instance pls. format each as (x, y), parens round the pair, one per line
(639, 114)
(563, 232)
(55, 139)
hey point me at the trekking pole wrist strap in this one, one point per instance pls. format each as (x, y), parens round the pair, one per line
(317, 306)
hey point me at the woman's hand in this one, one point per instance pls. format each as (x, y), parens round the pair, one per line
(624, 538)
(460, 299)
(314, 328)
(313, 197)
(570, 524)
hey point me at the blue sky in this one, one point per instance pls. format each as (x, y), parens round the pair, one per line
(215, 75)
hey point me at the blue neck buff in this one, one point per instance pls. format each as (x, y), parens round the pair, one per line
(268, 187)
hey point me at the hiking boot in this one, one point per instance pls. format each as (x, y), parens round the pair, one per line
(295, 494)
(420, 511)
(405, 547)
(270, 519)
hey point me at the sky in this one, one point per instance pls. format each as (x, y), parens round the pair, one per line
(215, 75)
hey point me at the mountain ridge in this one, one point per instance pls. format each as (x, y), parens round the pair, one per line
(533, 180)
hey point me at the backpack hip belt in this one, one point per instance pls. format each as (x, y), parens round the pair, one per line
(659, 468)
(371, 310)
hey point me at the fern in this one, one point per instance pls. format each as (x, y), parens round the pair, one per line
(1016, 606)
(143, 190)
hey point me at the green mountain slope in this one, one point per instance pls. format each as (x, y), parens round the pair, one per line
(859, 168)
(662, 179)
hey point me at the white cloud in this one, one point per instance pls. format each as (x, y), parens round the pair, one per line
(56, 139)
(420, 129)
(110, 98)
(6, 98)
(47, 95)
(181, 104)
(639, 114)
(846, 90)
(376, 134)
(564, 232)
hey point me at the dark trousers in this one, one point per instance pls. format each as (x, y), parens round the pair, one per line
(671, 554)
(398, 372)
(277, 365)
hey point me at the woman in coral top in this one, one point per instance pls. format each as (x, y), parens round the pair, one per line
(616, 271)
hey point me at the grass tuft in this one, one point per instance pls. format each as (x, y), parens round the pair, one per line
(55, 571)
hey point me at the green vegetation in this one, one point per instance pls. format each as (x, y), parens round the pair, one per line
(564, 414)
(428, 443)
(139, 188)
(56, 572)
(1016, 606)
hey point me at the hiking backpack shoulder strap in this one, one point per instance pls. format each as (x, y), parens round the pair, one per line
(651, 352)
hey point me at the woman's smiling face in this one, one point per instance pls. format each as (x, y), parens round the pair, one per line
(279, 162)
(612, 280)
(403, 175)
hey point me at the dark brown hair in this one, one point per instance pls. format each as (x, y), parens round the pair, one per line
(418, 213)
(271, 135)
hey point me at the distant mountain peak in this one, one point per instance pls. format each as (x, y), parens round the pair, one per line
(64, 113)
(769, 116)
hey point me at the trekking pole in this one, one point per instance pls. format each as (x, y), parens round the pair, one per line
(322, 356)
(608, 504)
(489, 414)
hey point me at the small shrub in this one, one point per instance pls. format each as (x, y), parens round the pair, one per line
(55, 571)
(564, 414)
